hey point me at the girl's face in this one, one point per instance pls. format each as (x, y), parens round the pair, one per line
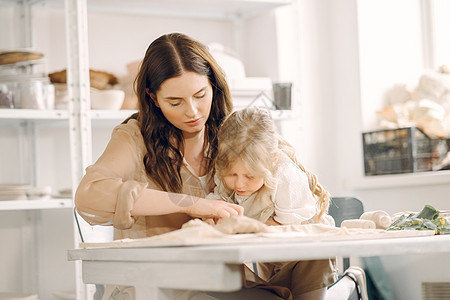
(185, 101)
(240, 180)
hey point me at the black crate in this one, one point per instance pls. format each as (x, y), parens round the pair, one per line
(395, 151)
(440, 149)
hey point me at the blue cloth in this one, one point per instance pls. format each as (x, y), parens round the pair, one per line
(379, 287)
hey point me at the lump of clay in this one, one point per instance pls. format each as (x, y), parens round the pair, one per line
(241, 224)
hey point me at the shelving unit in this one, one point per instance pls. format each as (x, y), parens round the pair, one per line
(79, 119)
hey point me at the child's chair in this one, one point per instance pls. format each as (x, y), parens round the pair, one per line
(345, 208)
(351, 284)
(377, 285)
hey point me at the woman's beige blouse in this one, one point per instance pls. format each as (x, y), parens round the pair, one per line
(111, 187)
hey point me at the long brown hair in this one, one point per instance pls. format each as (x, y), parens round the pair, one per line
(170, 56)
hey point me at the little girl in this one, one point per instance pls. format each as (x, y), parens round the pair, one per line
(257, 168)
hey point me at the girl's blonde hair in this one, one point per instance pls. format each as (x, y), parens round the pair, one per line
(250, 135)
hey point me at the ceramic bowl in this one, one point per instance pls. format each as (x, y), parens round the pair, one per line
(107, 99)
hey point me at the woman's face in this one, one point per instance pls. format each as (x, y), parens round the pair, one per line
(185, 101)
(240, 180)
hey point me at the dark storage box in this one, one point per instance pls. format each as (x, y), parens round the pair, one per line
(402, 150)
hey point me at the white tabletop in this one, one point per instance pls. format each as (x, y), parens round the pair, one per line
(217, 267)
(267, 251)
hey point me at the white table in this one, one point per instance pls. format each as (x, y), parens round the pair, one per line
(155, 271)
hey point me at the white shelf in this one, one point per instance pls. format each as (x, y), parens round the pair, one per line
(37, 115)
(111, 114)
(400, 180)
(33, 114)
(36, 204)
(205, 9)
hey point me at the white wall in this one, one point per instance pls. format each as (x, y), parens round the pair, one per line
(390, 51)
(317, 144)
(352, 52)
(118, 39)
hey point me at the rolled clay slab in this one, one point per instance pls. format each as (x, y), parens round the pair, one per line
(381, 218)
(358, 223)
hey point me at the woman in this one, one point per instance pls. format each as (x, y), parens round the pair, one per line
(158, 165)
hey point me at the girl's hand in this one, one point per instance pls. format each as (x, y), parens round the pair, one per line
(205, 208)
(210, 221)
(271, 221)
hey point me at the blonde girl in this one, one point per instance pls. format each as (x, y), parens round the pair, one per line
(257, 169)
(289, 192)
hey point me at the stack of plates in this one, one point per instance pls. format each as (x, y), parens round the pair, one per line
(18, 296)
(39, 193)
(65, 193)
(65, 295)
(13, 191)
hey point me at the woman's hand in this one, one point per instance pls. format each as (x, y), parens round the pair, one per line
(206, 208)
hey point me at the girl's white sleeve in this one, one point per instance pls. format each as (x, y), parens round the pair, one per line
(294, 201)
